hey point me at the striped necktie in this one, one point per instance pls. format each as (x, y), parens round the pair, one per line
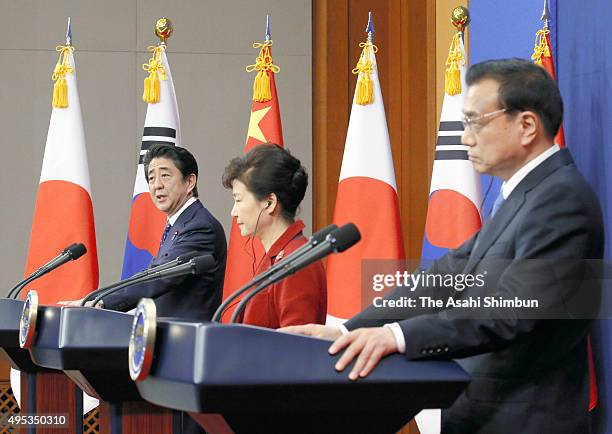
(165, 235)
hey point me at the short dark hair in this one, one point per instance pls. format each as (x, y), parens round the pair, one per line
(523, 85)
(268, 169)
(184, 161)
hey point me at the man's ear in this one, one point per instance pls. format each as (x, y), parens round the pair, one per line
(191, 181)
(530, 125)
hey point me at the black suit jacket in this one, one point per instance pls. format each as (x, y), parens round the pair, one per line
(188, 297)
(529, 366)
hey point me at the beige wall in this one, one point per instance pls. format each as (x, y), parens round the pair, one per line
(207, 54)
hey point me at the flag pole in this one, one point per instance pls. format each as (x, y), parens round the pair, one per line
(69, 33)
(545, 18)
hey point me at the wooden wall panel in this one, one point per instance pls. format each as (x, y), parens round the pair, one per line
(330, 103)
(405, 36)
(419, 126)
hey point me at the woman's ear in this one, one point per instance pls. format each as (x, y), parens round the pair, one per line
(271, 203)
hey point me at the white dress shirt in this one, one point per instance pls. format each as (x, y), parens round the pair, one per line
(175, 216)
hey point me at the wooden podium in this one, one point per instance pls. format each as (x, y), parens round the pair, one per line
(43, 391)
(8, 404)
(91, 347)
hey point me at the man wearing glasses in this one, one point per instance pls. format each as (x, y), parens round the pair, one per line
(529, 366)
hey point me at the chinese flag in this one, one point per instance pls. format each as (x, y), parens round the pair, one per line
(244, 253)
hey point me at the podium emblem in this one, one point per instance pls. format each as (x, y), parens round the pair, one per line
(142, 339)
(27, 322)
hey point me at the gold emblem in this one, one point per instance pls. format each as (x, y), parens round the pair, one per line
(163, 29)
(142, 339)
(27, 323)
(460, 18)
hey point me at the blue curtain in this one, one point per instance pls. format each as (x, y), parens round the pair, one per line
(584, 72)
(582, 47)
(501, 29)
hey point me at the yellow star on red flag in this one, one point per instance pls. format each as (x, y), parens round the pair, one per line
(254, 129)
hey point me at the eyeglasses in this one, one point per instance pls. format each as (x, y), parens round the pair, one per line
(475, 123)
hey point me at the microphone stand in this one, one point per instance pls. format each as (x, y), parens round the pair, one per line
(194, 266)
(314, 241)
(280, 273)
(134, 279)
(336, 241)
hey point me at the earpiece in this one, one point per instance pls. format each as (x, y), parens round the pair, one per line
(268, 204)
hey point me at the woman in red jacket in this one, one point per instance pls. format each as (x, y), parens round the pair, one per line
(268, 184)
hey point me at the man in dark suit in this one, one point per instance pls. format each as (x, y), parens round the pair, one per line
(529, 366)
(172, 173)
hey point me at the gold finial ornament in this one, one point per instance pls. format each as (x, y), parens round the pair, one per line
(460, 18)
(155, 66)
(163, 29)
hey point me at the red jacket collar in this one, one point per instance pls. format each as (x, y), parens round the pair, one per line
(290, 233)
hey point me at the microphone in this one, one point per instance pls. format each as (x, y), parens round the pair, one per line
(337, 241)
(313, 241)
(177, 261)
(197, 265)
(72, 252)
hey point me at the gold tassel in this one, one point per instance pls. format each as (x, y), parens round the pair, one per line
(145, 91)
(541, 48)
(60, 93)
(55, 102)
(63, 67)
(454, 62)
(156, 70)
(261, 87)
(364, 93)
(262, 92)
(151, 89)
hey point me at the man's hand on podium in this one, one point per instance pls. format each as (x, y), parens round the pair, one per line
(369, 345)
(315, 330)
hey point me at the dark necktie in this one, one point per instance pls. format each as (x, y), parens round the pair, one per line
(165, 235)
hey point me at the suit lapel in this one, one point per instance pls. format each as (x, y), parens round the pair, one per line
(493, 228)
(179, 225)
